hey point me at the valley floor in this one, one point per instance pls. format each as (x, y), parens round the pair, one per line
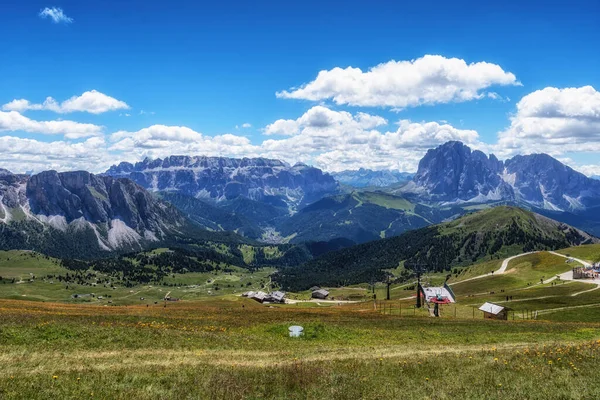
(234, 349)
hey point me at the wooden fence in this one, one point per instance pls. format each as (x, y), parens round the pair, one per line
(395, 308)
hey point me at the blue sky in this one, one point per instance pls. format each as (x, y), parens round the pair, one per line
(190, 72)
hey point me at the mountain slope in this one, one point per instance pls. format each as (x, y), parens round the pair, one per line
(483, 235)
(454, 172)
(78, 214)
(545, 182)
(360, 217)
(212, 217)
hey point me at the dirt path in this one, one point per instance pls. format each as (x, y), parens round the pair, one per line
(500, 271)
(291, 301)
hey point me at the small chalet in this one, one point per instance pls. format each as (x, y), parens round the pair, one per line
(320, 294)
(276, 297)
(258, 296)
(262, 297)
(494, 311)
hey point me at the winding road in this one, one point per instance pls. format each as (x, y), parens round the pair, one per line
(500, 271)
(566, 276)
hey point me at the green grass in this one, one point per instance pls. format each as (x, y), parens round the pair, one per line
(95, 193)
(22, 264)
(213, 344)
(271, 252)
(588, 252)
(589, 313)
(500, 217)
(478, 269)
(385, 200)
(247, 253)
(520, 272)
(239, 349)
(17, 214)
(534, 267)
(190, 286)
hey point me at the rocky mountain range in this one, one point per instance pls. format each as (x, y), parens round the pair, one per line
(134, 206)
(220, 179)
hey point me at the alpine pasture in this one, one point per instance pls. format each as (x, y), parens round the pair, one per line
(219, 345)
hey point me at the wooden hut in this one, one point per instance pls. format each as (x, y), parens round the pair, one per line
(494, 311)
(320, 294)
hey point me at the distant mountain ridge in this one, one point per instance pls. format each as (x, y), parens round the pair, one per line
(363, 178)
(453, 173)
(220, 179)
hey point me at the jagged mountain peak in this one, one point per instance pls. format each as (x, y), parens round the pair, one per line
(453, 172)
(193, 162)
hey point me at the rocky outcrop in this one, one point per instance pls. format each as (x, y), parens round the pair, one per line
(547, 183)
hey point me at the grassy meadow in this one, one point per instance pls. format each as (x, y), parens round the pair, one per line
(238, 349)
(30, 272)
(218, 345)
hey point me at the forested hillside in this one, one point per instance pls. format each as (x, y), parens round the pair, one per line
(361, 217)
(487, 234)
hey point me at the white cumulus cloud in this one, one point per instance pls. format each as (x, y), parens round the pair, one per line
(13, 121)
(431, 79)
(554, 121)
(332, 140)
(163, 140)
(321, 118)
(91, 101)
(21, 155)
